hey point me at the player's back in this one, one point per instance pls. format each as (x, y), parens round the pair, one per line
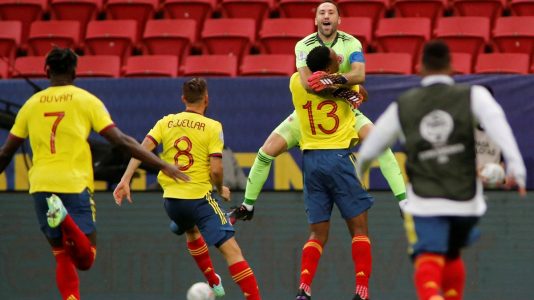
(189, 140)
(58, 121)
(324, 123)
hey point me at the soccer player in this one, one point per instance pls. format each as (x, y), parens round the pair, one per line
(287, 134)
(195, 143)
(58, 121)
(435, 122)
(327, 128)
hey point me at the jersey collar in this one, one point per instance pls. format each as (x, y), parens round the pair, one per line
(323, 44)
(433, 79)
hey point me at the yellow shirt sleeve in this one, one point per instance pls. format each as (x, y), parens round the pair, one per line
(20, 128)
(99, 115)
(216, 142)
(156, 133)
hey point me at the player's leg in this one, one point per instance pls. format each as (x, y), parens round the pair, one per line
(428, 238)
(361, 254)
(311, 254)
(283, 138)
(66, 275)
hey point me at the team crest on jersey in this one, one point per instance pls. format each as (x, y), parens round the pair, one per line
(302, 56)
(436, 127)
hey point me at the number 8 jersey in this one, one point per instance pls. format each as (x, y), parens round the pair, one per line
(58, 121)
(324, 123)
(189, 140)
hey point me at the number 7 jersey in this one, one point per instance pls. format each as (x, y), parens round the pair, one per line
(58, 121)
(189, 140)
(324, 123)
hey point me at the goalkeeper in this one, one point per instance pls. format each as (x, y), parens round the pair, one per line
(287, 134)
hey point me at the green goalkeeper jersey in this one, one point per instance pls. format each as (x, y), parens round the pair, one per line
(347, 48)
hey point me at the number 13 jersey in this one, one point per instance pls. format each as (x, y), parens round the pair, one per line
(58, 121)
(189, 140)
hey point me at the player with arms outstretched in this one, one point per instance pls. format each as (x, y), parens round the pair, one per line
(195, 143)
(58, 121)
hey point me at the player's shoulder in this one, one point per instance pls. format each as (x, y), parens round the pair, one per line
(294, 80)
(346, 38)
(308, 41)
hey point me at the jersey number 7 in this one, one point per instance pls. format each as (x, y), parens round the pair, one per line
(59, 116)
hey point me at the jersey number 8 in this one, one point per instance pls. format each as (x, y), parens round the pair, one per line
(182, 152)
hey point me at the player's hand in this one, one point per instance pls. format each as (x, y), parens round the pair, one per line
(173, 172)
(320, 80)
(241, 213)
(510, 182)
(225, 193)
(355, 99)
(122, 190)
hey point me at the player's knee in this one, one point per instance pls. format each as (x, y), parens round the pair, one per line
(322, 237)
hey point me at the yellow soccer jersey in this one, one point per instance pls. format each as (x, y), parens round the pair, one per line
(189, 140)
(58, 121)
(324, 123)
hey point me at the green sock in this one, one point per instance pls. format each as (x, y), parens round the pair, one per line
(391, 171)
(257, 176)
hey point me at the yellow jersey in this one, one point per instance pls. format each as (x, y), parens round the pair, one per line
(324, 123)
(58, 121)
(189, 140)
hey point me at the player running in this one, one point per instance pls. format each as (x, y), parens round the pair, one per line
(58, 121)
(195, 143)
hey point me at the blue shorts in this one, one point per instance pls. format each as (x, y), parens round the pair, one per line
(445, 235)
(330, 177)
(205, 213)
(81, 207)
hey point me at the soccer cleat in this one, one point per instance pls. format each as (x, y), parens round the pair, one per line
(218, 289)
(302, 295)
(56, 211)
(175, 228)
(357, 297)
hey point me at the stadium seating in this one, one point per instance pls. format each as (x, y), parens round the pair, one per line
(139, 10)
(388, 63)
(279, 36)
(462, 63)
(298, 8)
(464, 34)
(4, 69)
(169, 37)
(361, 28)
(25, 11)
(112, 37)
(210, 65)
(405, 35)
(514, 34)
(99, 66)
(228, 36)
(82, 11)
(522, 7)
(374, 9)
(45, 34)
(432, 9)
(151, 66)
(29, 66)
(479, 8)
(268, 65)
(511, 63)
(10, 33)
(246, 9)
(198, 10)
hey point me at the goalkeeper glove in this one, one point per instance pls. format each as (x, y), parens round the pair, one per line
(354, 98)
(320, 80)
(241, 213)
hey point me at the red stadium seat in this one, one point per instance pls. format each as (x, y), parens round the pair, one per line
(10, 34)
(4, 69)
(361, 28)
(45, 34)
(139, 10)
(246, 9)
(99, 66)
(279, 36)
(507, 63)
(151, 66)
(522, 7)
(228, 36)
(464, 34)
(388, 63)
(479, 8)
(402, 35)
(514, 34)
(29, 66)
(25, 11)
(169, 37)
(198, 10)
(432, 9)
(298, 8)
(112, 37)
(210, 65)
(462, 63)
(268, 65)
(374, 9)
(82, 11)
